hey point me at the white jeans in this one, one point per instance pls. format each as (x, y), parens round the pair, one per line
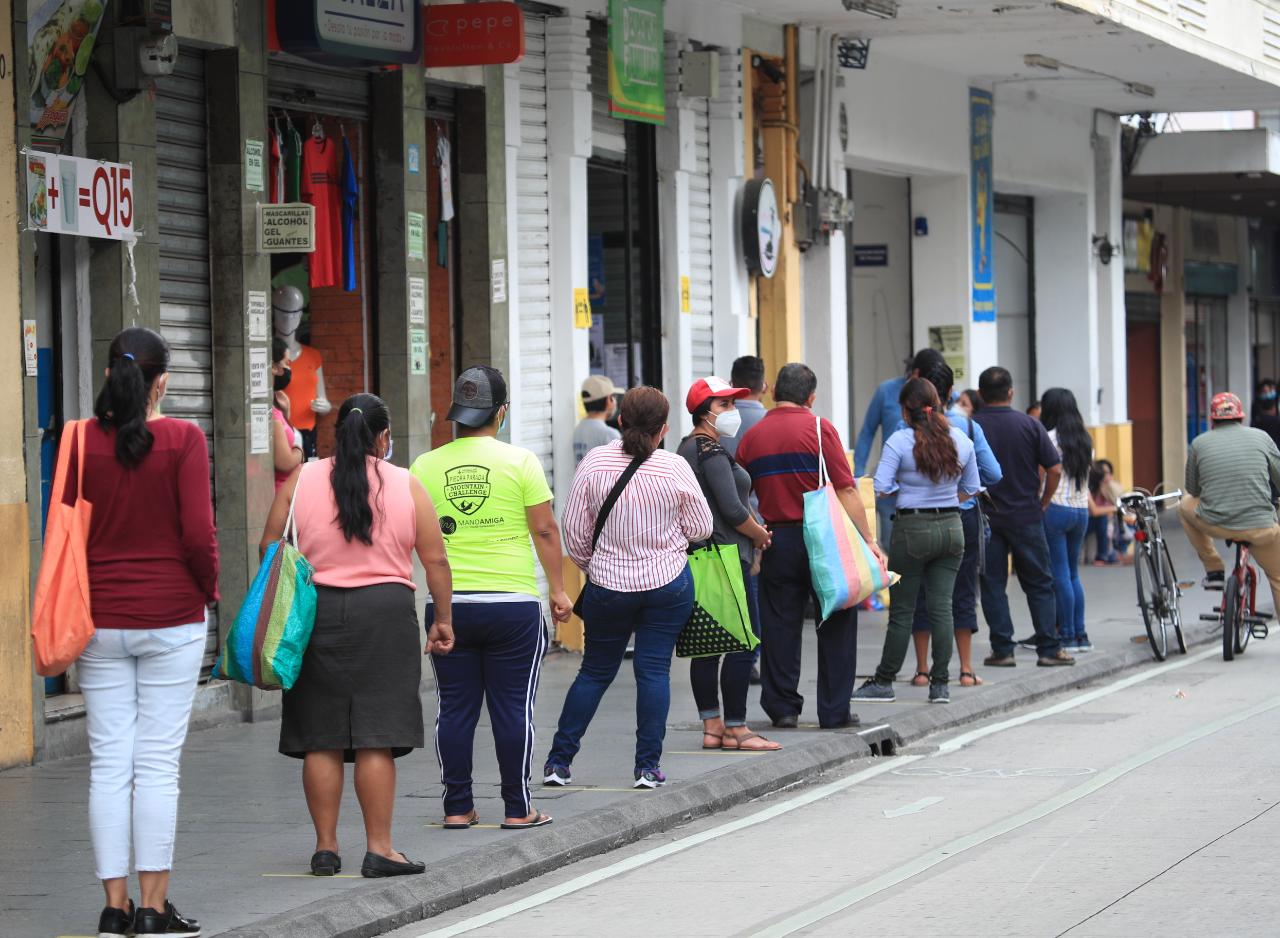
(138, 685)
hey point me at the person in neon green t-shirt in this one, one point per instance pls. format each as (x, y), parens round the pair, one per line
(495, 513)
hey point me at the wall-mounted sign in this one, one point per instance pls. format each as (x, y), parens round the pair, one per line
(637, 85)
(289, 227)
(415, 225)
(256, 311)
(350, 32)
(581, 308)
(761, 227)
(259, 428)
(60, 38)
(417, 301)
(255, 170)
(30, 350)
(498, 279)
(69, 195)
(414, 159)
(472, 34)
(259, 372)
(949, 340)
(982, 205)
(417, 351)
(871, 255)
(685, 305)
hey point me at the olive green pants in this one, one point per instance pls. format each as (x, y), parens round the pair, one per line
(926, 550)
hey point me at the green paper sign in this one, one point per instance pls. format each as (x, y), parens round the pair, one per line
(637, 86)
(417, 225)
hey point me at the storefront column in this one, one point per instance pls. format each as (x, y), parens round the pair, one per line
(237, 83)
(676, 160)
(1240, 338)
(1109, 220)
(400, 121)
(942, 268)
(826, 329)
(1173, 349)
(1066, 325)
(735, 328)
(569, 148)
(17, 693)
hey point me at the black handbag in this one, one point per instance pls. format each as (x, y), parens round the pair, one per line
(603, 516)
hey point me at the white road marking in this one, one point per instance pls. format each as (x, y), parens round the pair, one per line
(640, 860)
(844, 900)
(914, 808)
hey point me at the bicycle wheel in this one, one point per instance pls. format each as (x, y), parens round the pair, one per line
(1232, 612)
(1173, 598)
(1243, 630)
(1144, 569)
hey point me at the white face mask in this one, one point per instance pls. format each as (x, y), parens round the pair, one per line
(728, 423)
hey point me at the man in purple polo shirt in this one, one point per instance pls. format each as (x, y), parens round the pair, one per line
(1018, 501)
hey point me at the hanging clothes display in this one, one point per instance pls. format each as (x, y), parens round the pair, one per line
(292, 163)
(275, 165)
(350, 199)
(320, 187)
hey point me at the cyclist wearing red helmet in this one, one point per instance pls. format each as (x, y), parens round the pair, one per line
(1230, 471)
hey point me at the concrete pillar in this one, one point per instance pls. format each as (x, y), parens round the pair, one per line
(1173, 349)
(17, 694)
(1108, 196)
(735, 329)
(1066, 313)
(399, 121)
(826, 329)
(676, 159)
(1240, 377)
(568, 149)
(245, 482)
(511, 104)
(942, 270)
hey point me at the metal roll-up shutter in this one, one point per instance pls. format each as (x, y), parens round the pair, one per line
(300, 86)
(533, 221)
(182, 168)
(700, 298)
(608, 134)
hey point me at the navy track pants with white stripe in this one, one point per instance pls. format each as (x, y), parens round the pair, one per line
(496, 659)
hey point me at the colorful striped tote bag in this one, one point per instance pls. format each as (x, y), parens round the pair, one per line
(844, 569)
(271, 631)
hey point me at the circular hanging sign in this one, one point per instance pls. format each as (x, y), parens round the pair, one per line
(761, 227)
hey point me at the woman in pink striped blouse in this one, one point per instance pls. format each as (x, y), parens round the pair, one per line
(638, 578)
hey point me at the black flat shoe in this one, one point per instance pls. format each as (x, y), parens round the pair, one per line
(377, 867)
(788, 722)
(169, 922)
(325, 863)
(115, 921)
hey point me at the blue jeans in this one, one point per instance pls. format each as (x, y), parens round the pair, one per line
(1099, 528)
(1030, 552)
(656, 617)
(886, 505)
(752, 583)
(1064, 529)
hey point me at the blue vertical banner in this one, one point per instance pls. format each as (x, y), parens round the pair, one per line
(982, 205)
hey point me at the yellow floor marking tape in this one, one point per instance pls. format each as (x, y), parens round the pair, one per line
(309, 876)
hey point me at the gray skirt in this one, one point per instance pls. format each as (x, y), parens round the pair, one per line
(358, 687)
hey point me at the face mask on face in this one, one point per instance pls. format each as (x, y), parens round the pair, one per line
(728, 423)
(282, 381)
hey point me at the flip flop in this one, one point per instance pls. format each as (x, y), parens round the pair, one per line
(977, 681)
(538, 820)
(462, 825)
(719, 736)
(917, 682)
(739, 740)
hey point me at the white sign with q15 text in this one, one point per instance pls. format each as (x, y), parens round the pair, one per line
(74, 196)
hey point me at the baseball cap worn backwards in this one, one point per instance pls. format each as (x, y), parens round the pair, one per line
(477, 393)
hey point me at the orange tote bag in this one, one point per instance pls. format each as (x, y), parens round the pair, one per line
(61, 623)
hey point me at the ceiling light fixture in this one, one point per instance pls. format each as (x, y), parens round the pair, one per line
(1035, 60)
(885, 9)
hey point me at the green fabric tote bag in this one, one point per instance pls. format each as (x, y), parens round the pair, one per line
(721, 620)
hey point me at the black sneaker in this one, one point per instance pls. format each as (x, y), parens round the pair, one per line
(939, 693)
(557, 776)
(113, 921)
(874, 692)
(1215, 580)
(170, 922)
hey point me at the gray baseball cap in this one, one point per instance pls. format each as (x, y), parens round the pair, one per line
(478, 392)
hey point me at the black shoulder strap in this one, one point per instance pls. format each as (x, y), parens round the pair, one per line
(612, 498)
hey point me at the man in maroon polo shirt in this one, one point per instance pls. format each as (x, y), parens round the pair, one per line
(781, 453)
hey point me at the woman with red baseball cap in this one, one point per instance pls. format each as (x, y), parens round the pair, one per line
(727, 488)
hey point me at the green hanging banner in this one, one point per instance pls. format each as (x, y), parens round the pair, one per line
(637, 86)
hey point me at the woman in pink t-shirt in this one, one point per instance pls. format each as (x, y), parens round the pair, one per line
(359, 520)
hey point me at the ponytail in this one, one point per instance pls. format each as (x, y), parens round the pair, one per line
(361, 418)
(935, 451)
(137, 358)
(642, 416)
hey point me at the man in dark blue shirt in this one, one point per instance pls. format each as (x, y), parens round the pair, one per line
(1022, 447)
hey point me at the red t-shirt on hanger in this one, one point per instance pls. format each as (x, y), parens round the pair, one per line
(320, 187)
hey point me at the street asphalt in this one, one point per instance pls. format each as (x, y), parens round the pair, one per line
(244, 836)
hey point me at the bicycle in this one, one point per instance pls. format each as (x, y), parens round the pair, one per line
(1239, 617)
(1159, 592)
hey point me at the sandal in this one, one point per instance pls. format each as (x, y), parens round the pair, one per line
(739, 740)
(471, 821)
(537, 820)
(718, 737)
(921, 679)
(969, 679)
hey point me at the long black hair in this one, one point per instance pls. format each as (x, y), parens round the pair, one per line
(136, 359)
(1058, 411)
(939, 374)
(361, 418)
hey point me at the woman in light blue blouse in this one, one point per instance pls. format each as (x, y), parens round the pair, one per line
(931, 468)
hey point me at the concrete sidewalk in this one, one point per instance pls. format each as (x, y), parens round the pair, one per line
(245, 838)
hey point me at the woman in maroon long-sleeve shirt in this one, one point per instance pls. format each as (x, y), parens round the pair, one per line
(153, 572)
